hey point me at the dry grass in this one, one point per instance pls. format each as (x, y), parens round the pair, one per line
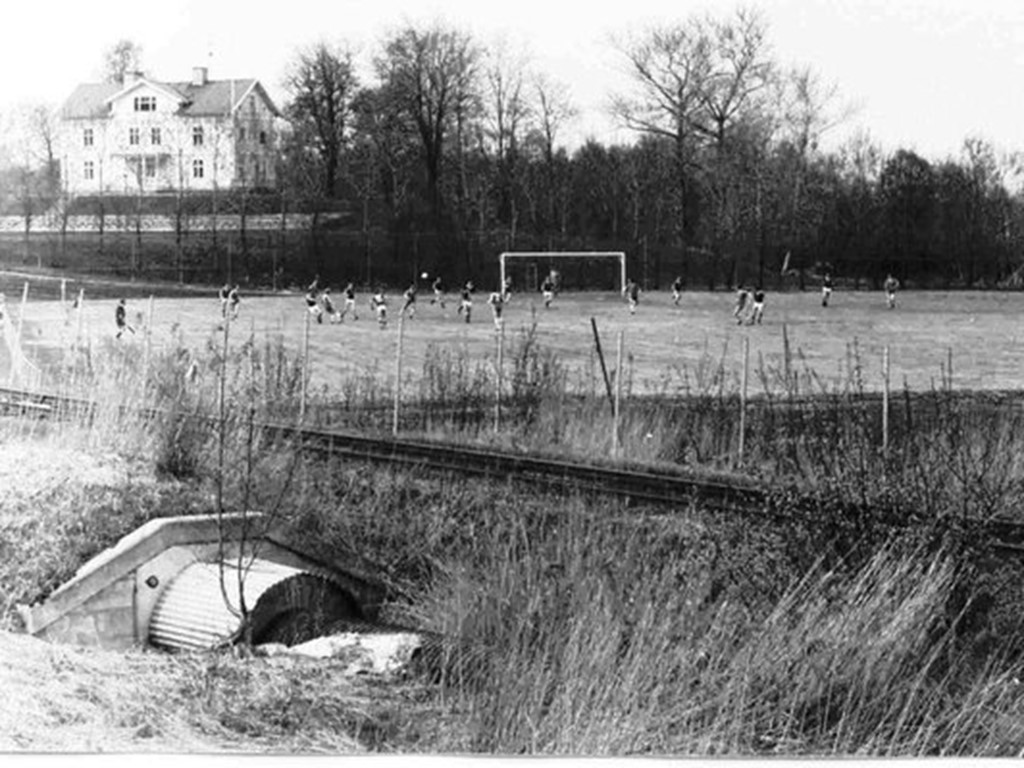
(582, 627)
(68, 699)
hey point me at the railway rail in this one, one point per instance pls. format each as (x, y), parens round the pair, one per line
(719, 492)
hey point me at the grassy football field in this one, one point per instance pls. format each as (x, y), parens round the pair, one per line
(666, 347)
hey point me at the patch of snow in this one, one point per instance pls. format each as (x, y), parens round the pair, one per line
(365, 652)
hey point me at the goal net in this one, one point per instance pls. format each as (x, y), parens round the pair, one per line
(570, 270)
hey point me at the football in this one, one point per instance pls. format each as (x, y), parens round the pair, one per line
(424, 276)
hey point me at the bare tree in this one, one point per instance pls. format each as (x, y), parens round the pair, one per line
(322, 83)
(670, 66)
(508, 110)
(552, 111)
(432, 74)
(122, 57)
(739, 76)
(703, 84)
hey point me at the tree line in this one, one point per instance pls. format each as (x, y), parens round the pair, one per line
(461, 148)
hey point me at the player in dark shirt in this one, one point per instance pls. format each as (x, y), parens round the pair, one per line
(548, 289)
(757, 311)
(121, 318)
(632, 295)
(409, 303)
(233, 302)
(466, 303)
(891, 284)
(677, 290)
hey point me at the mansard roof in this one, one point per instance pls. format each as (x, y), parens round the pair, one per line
(215, 97)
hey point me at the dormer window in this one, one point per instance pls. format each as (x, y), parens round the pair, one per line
(145, 103)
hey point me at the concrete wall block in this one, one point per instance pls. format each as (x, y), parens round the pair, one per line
(117, 595)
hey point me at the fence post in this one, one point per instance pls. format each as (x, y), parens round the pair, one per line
(80, 309)
(885, 399)
(398, 372)
(21, 315)
(305, 368)
(618, 396)
(501, 368)
(743, 398)
(786, 360)
(604, 368)
(145, 359)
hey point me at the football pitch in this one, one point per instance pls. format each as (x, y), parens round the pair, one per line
(667, 348)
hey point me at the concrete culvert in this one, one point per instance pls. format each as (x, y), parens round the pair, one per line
(300, 608)
(179, 583)
(201, 608)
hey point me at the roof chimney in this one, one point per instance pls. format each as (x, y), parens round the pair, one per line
(199, 76)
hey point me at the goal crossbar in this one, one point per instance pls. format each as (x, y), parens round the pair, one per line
(620, 255)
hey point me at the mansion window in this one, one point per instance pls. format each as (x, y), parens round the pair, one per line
(154, 137)
(197, 169)
(89, 170)
(87, 137)
(149, 167)
(145, 103)
(133, 136)
(263, 137)
(197, 135)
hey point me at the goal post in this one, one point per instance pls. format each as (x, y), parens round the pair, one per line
(540, 263)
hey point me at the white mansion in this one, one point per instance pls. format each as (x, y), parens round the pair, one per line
(146, 136)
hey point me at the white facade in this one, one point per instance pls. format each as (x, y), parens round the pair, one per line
(147, 137)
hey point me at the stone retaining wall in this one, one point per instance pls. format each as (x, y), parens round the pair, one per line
(49, 224)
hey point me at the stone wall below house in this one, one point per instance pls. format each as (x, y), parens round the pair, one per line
(155, 223)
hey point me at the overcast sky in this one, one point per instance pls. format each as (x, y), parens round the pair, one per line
(924, 74)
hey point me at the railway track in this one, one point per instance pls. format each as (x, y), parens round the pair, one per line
(719, 492)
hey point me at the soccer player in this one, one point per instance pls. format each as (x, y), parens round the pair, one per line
(891, 284)
(466, 304)
(632, 295)
(121, 318)
(826, 289)
(506, 290)
(329, 309)
(350, 303)
(677, 289)
(497, 301)
(742, 294)
(757, 310)
(313, 302)
(409, 305)
(438, 286)
(548, 289)
(222, 294)
(233, 302)
(379, 304)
